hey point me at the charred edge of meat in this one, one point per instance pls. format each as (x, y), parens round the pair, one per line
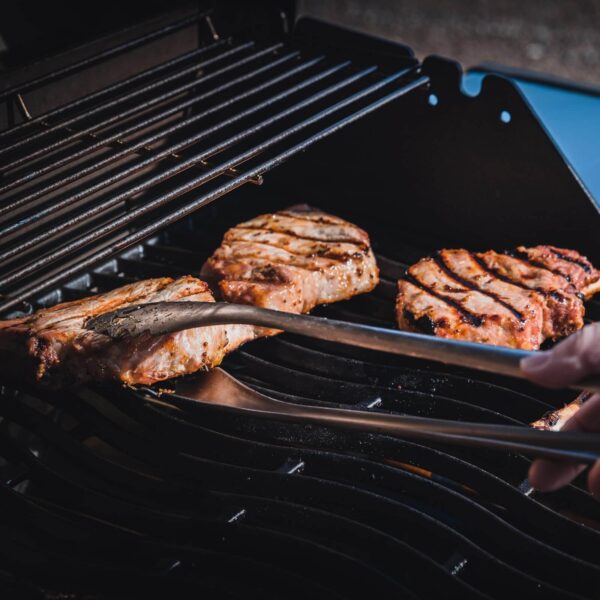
(580, 263)
(472, 318)
(548, 420)
(425, 323)
(534, 263)
(439, 259)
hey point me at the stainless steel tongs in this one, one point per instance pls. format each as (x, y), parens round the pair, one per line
(217, 388)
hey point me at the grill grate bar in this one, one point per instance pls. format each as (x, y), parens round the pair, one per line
(321, 388)
(88, 62)
(152, 138)
(169, 152)
(292, 351)
(334, 468)
(185, 210)
(180, 167)
(272, 480)
(111, 89)
(142, 106)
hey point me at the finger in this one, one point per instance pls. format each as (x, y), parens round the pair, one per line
(549, 475)
(594, 480)
(587, 418)
(568, 362)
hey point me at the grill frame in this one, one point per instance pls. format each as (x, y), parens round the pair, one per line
(304, 496)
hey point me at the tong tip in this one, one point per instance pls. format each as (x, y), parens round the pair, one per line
(118, 324)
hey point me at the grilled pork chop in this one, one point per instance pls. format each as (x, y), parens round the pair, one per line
(563, 308)
(467, 314)
(293, 260)
(516, 301)
(51, 346)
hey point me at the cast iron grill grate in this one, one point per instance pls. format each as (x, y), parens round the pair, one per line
(103, 172)
(130, 494)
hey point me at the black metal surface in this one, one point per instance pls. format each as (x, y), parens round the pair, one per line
(90, 61)
(454, 170)
(525, 185)
(179, 499)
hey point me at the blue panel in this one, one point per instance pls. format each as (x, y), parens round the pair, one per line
(571, 117)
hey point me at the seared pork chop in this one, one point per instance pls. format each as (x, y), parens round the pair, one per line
(517, 301)
(564, 308)
(468, 314)
(51, 346)
(571, 265)
(293, 260)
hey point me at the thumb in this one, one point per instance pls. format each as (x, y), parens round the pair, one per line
(549, 475)
(568, 362)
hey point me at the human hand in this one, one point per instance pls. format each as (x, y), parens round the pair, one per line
(568, 362)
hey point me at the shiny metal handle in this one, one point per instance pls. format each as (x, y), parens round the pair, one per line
(577, 446)
(165, 317)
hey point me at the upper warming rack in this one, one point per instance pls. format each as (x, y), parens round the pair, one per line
(104, 171)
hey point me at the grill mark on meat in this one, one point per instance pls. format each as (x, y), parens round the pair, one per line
(570, 259)
(424, 323)
(498, 275)
(306, 237)
(534, 263)
(568, 263)
(473, 318)
(546, 293)
(439, 259)
(361, 247)
(324, 252)
(320, 218)
(266, 263)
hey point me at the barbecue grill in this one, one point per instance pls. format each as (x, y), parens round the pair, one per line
(129, 159)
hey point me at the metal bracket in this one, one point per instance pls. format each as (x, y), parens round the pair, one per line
(23, 107)
(211, 27)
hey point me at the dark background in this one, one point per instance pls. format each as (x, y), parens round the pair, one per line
(561, 37)
(31, 30)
